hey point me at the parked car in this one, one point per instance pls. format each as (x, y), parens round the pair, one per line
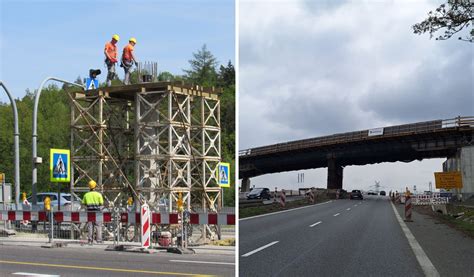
(68, 201)
(356, 194)
(371, 193)
(259, 193)
(383, 193)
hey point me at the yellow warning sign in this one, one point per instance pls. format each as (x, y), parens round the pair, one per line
(448, 180)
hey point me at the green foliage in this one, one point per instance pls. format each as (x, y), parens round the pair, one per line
(53, 132)
(451, 17)
(203, 68)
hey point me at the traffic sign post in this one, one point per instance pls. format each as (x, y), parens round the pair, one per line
(448, 180)
(60, 165)
(223, 175)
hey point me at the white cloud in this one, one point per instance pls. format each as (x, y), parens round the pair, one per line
(318, 67)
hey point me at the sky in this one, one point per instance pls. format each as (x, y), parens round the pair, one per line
(314, 68)
(64, 39)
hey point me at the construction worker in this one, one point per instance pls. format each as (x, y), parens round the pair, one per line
(128, 59)
(110, 52)
(94, 201)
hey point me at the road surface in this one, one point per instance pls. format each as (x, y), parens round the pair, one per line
(339, 238)
(86, 261)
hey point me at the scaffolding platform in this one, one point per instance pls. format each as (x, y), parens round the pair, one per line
(149, 141)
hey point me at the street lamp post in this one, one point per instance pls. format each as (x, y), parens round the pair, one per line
(16, 143)
(37, 160)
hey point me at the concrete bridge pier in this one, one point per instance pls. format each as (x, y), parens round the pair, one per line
(245, 185)
(335, 174)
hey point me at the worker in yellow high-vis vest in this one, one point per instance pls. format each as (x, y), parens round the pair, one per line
(94, 202)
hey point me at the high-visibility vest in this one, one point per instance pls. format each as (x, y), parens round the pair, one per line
(93, 200)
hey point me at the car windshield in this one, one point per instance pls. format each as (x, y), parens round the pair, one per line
(356, 191)
(67, 197)
(256, 191)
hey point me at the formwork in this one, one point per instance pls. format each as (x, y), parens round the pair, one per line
(148, 141)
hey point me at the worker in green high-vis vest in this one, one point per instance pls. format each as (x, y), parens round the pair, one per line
(94, 202)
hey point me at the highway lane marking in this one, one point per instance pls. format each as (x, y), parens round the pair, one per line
(336, 214)
(348, 209)
(102, 268)
(425, 263)
(260, 249)
(312, 225)
(285, 211)
(201, 262)
(355, 205)
(34, 274)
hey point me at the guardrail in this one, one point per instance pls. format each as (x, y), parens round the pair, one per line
(393, 131)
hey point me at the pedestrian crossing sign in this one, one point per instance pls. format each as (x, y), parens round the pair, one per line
(59, 165)
(223, 175)
(92, 83)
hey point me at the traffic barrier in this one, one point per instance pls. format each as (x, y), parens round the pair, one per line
(311, 196)
(434, 199)
(106, 217)
(145, 222)
(408, 208)
(397, 198)
(282, 198)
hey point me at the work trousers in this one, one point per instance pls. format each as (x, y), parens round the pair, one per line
(110, 72)
(90, 231)
(127, 66)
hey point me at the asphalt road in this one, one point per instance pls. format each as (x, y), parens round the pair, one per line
(339, 238)
(97, 262)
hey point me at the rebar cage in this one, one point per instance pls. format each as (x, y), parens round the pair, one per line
(149, 141)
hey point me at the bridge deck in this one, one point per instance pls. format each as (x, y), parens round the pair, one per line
(387, 132)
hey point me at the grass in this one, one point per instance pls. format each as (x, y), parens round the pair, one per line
(275, 207)
(466, 227)
(225, 242)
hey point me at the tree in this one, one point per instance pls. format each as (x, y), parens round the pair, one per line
(227, 75)
(451, 17)
(203, 68)
(166, 76)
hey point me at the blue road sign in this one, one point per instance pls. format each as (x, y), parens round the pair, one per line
(223, 175)
(59, 165)
(92, 83)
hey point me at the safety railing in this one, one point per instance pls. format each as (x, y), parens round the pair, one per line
(393, 131)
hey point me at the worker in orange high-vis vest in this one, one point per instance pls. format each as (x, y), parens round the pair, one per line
(110, 52)
(128, 59)
(94, 202)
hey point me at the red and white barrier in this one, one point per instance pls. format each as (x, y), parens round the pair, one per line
(282, 198)
(408, 208)
(311, 196)
(106, 217)
(145, 224)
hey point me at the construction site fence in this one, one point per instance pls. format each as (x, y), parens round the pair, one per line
(117, 225)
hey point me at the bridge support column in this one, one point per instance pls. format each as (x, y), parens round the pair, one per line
(335, 172)
(245, 185)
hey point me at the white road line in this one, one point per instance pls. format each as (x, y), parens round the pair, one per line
(336, 214)
(425, 263)
(259, 249)
(200, 262)
(285, 211)
(355, 205)
(348, 209)
(312, 225)
(34, 274)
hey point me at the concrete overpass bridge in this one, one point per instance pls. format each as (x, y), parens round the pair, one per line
(405, 143)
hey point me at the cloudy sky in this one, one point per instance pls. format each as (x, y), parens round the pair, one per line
(319, 67)
(65, 38)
